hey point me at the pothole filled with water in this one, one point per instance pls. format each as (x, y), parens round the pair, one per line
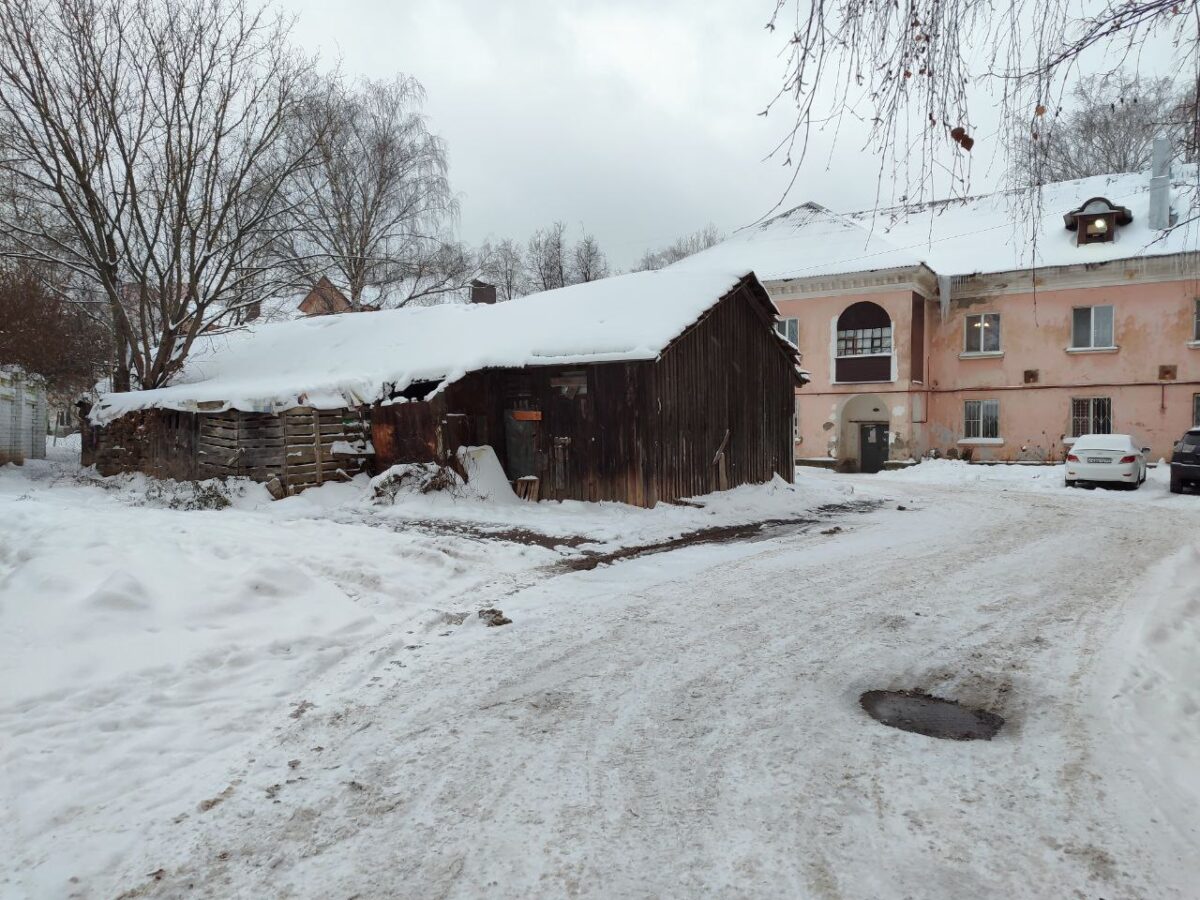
(931, 716)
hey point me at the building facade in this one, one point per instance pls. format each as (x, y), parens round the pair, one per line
(926, 330)
(1001, 371)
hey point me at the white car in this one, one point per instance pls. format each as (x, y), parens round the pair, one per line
(1106, 459)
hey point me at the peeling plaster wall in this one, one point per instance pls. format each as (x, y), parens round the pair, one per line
(1153, 326)
(820, 430)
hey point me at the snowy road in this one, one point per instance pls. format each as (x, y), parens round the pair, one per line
(687, 725)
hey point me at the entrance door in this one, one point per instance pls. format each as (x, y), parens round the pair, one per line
(872, 447)
(520, 439)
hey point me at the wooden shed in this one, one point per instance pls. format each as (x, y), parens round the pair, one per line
(641, 388)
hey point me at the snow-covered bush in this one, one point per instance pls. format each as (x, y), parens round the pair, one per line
(415, 478)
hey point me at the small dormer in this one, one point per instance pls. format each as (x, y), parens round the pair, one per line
(1096, 221)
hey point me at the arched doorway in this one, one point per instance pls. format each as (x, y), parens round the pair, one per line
(864, 439)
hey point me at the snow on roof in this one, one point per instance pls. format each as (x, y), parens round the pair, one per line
(329, 362)
(960, 237)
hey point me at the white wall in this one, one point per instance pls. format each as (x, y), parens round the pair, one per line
(22, 416)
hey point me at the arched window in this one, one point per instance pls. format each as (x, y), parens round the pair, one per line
(864, 343)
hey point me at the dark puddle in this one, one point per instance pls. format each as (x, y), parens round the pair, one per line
(930, 716)
(754, 531)
(762, 530)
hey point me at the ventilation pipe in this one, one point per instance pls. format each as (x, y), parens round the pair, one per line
(1160, 185)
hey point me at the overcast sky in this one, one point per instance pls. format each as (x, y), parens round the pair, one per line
(637, 121)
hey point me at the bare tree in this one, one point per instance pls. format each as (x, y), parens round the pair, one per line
(546, 257)
(680, 248)
(375, 210)
(49, 336)
(503, 264)
(588, 261)
(1110, 126)
(910, 70)
(147, 145)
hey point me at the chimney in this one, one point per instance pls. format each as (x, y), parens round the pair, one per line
(482, 292)
(1160, 185)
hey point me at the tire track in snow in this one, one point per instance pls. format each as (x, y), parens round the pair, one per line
(688, 726)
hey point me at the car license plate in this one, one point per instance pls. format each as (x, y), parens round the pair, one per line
(1098, 459)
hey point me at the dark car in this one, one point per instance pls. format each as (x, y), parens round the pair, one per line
(1185, 462)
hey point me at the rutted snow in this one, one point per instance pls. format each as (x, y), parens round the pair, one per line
(682, 724)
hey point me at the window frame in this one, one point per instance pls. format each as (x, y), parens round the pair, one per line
(1196, 410)
(1112, 327)
(1092, 417)
(1196, 320)
(885, 339)
(982, 332)
(786, 324)
(981, 419)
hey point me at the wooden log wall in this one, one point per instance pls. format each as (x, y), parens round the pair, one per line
(298, 446)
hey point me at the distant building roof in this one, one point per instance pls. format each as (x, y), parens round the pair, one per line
(959, 237)
(324, 299)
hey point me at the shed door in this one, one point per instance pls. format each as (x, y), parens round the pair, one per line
(520, 441)
(872, 447)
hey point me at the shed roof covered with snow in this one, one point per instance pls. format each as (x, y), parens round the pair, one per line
(329, 362)
(1000, 232)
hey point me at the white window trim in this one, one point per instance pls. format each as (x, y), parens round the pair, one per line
(967, 330)
(852, 383)
(1110, 348)
(862, 355)
(981, 354)
(1193, 345)
(982, 442)
(783, 321)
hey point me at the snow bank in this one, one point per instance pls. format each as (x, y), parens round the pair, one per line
(330, 362)
(485, 476)
(142, 644)
(1152, 694)
(616, 525)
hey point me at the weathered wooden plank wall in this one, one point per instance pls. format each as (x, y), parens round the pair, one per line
(714, 411)
(297, 446)
(724, 387)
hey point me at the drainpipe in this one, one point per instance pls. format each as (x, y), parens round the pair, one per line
(1159, 217)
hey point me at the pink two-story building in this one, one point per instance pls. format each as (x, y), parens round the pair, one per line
(994, 328)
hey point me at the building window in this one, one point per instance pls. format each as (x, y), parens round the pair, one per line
(1196, 320)
(1091, 415)
(1092, 327)
(865, 341)
(1196, 410)
(864, 344)
(789, 330)
(981, 419)
(983, 334)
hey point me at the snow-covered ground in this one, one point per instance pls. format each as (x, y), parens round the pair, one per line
(297, 699)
